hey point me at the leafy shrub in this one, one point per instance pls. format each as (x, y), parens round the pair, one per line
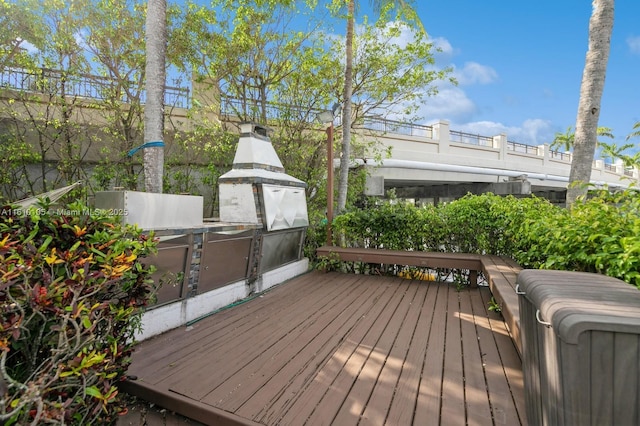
(521, 227)
(473, 224)
(601, 234)
(71, 292)
(393, 226)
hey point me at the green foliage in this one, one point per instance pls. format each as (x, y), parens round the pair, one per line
(240, 49)
(601, 234)
(394, 70)
(391, 226)
(197, 159)
(494, 306)
(465, 218)
(329, 263)
(15, 158)
(565, 140)
(473, 224)
(72, 288)
(635, 131)
(316, 235)
(614, 152)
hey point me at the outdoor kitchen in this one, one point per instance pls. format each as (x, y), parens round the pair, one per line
(207, 264)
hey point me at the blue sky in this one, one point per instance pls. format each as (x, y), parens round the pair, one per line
(520, 63)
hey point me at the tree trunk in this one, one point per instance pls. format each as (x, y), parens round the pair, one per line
(600, 27)
(343, 184)
(156, 46)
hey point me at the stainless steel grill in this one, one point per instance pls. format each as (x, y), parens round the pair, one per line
(257, 189)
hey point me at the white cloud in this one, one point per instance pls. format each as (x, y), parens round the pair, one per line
(24, 44)
(451, 103)
(534, 131)
(475, 73)
(634, 44)
(81, 38)
(454, 105)
(443, 45)
(404, 33)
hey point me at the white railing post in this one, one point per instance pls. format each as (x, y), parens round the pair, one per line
(441, 134)
(500, 141)
(598, 164)
(544, 151)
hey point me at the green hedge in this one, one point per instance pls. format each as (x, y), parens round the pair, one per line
(72, 288)
(600, 235)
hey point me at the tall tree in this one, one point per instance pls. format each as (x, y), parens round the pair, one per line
(18, 29)
(593, 76)
(264, 71)
(343, 180)
(156, 43)
(252, 51)
(114, 40)
(42, 115)
(382, 7)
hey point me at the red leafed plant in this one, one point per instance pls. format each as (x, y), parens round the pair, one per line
(72, 291)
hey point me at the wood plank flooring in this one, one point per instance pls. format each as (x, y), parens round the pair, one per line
(340, 349)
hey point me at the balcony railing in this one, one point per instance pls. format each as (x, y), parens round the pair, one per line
(49, 81)
(470, 138)
(379, 124)
(88, 86)
(253, 109)
(522, 147)
(557, 155)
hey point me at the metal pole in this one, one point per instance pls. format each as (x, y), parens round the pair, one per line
(329, 183)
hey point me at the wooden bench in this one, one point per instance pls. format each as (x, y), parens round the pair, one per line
(422, 259)
(501, 272)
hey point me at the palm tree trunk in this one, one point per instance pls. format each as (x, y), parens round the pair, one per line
(593, 76)
(343, 183)
(156, 41)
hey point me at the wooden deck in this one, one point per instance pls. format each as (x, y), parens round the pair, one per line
(340, 349)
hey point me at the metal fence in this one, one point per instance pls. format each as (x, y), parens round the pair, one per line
(88, 86)
(557, 155)
(470, 138)
(383, 125)
(250, 109)
(522, 147)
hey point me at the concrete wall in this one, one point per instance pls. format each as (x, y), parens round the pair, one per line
(441, 145)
